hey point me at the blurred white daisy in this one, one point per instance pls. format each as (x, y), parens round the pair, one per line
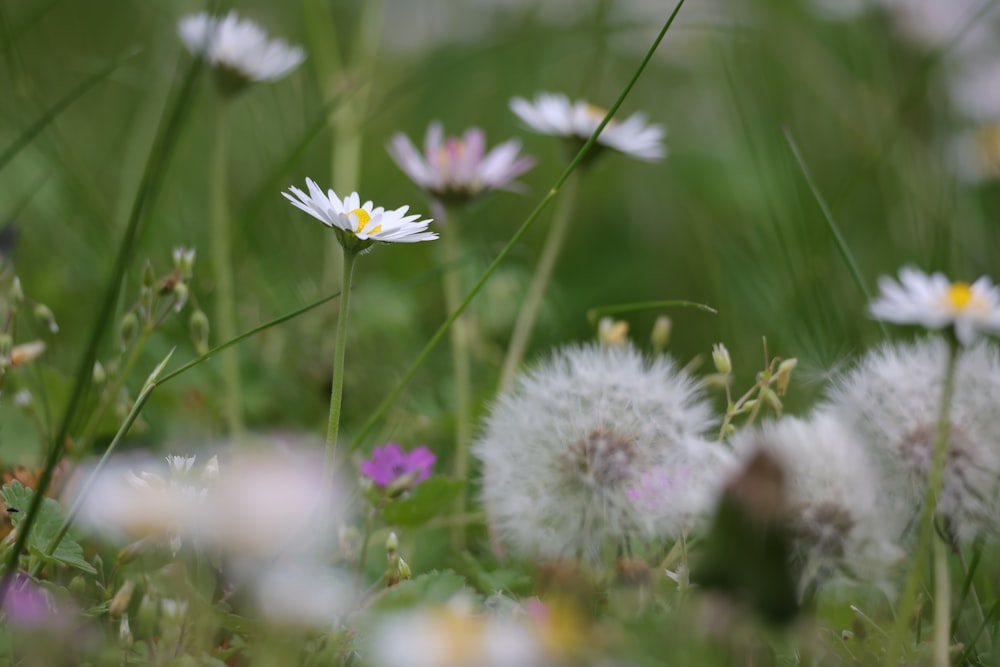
(556, 114)
(238, 47)
(359, 225)
(460, 167)
(834, 497)
(934, 302)
(595, 447)
(892, 399)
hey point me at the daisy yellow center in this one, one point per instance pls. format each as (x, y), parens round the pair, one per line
(960, 296)
(364, 217)
(597, 113)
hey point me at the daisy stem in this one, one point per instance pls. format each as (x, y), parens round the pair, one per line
(539, 283)
(942, 601)
(337, 389)
(225, 300)
(461, 364)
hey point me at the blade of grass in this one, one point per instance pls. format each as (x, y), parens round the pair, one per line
(615, 309)
(831, 224)
(149, 186)
(52, 112)
(521, 231)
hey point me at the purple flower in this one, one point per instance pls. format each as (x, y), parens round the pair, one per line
(391, 463)
(26, 605)
(460, 167)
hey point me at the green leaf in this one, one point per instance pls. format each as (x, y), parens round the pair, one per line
(425, 502)
(69, 552)
(431, 588)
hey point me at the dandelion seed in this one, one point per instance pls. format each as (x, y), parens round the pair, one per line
(932, 301)
(555, 114)
(566, 452)
(892, 399)
(459, 168)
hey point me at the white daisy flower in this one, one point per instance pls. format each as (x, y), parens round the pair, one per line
(834, 497)
(238, 47)
(553, 113)
(358, 225)
(460, 167)
(593, 448)
(934, 302)
(892, 399)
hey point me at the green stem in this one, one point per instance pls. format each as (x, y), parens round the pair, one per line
(935, 475)
(337, 390)
(462, 368)
(539, 284)
(514, 240)
(942, 604)
(365, 540)
(222, 256)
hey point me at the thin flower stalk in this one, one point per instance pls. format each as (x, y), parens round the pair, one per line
(222, 253)
(926, 534)
(461, 363)
(532, 303)
(339, 354)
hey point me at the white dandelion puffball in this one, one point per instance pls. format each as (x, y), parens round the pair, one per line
(892, 400)
(556, 114)
(594, 447)
(834, 497)
(238, 45)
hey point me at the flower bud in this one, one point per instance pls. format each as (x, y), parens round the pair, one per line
(184, 261)
(6, 346)
(148, 276)
(145, 617)
(26, 352)
(771, 399)
(391, 546)
(44, 315)
(198, 326)
(125, 633)
(99, 375)
(122, 599)
(128, 328)
(784, 375)
(660, 336)
(77, 586)
(404, 570)
(180, 296)
(14, 293)
(720, 357)
(612, 332)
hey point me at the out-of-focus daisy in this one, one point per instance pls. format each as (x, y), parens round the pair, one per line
(459, 168)
(935, 302)
(974, 154)
(359, 225)
(556, 114)
(238, 49)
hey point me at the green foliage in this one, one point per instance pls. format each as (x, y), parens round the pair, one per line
(430, 588)
(424, 502)
(47, 525)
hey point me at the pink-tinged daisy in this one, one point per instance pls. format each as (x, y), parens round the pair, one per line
(359, 225)
(934, 302)
(556, 114)
(460, 167)
(238, 47)
(392, 464)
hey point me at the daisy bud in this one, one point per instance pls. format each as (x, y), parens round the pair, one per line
(128, 328)
(99, 375)
(784, 375)
(660, 336)
(612, 332)
(720, 357)
(198, 325)
(122, 599)
(44, 315)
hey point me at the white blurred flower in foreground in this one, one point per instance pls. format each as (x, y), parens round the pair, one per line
(892, 399)
(553, 113)
(358, 225)
(460, 167)
(238, 47)
(453, 636)
(594, 447)
(834, 497)
(934, 302)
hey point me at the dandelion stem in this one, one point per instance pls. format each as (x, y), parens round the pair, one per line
(935, 475)
(942, 604)
(515, 239)
(462, 368)
(539, 284)
(337, 390)
(225, 300)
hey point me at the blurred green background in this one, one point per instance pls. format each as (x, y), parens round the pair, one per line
(727, 219)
